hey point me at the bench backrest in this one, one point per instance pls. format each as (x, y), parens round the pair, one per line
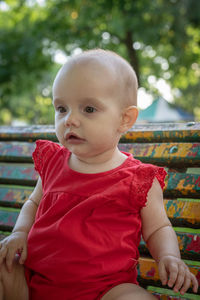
(174, 146)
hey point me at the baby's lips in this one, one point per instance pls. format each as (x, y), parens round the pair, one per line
(72, 135)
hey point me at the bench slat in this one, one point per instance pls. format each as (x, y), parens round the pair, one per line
(151, 132)
(183, 212)
(15, 151)
(14, 196)
(166, 154)
(182, 185)
(148, 270)
(8, 218)
(18, 174)
(27, 133)
(154, 132)
(164, 294)
(189, 242)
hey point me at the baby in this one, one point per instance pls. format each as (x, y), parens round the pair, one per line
(77, 236)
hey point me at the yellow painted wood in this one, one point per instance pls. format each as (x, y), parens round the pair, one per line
(148, 269)
(180, 209)
(165, 150)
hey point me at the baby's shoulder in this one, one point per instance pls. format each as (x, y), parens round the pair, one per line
(45, 151)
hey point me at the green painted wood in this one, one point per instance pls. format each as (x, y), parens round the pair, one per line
(27, 133)
(14, 196)
(8, 218)
(182, 185)
(16, 151)
(165, 154)
(151, 132)
(189, 243)
(20, 174)
(183, 212)
(4, 234)
(163, 132)
(166, 294)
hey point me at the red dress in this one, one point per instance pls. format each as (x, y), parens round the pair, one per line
(88, 227)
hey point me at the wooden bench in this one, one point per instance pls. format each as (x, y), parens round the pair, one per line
(175, 146)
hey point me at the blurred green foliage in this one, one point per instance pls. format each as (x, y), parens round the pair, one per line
(160, 38)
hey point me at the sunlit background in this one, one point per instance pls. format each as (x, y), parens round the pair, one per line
(161, 40)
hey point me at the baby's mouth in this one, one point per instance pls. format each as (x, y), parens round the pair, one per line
(72, 137)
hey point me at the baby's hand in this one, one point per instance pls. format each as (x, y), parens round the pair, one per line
(16, 243)
(174, 272)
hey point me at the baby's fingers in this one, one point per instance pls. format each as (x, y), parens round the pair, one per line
(9, 259)
(173, 273)
(182, 279)
(186, 285)
(3, 252)
(189, 278)
(194, 283)
(163, 273)
(23, 255)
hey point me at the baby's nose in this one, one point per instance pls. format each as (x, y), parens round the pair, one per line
(72, 120)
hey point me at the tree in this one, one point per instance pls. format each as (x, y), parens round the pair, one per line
(160, 38)
(23, 66)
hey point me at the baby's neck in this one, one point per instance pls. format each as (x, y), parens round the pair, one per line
(105, 163)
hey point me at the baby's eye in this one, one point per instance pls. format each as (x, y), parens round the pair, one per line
(89, 109)
(61, 109)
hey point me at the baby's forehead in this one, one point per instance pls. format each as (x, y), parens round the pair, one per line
(89, 61)
(102, 63)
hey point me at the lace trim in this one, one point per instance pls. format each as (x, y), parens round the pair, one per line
(43, 151)
(37, 157)
(146, 175)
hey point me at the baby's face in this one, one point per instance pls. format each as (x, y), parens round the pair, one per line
(87, 111)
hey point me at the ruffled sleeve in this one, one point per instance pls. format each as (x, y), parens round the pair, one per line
(42, 154)
(143, 180)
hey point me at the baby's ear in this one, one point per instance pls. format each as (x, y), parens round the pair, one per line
(129, 117)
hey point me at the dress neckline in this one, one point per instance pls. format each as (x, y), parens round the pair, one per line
(67, 155)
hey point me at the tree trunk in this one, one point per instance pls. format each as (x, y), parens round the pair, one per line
(133, 59)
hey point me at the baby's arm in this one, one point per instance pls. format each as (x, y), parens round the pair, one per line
(162, 243)
(17, 241)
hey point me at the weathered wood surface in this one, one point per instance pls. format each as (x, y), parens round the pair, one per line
(152, 132)
(16, 152)
(170, 154)
(184, 212)
(182, 185)
(14, 196)
(148, 270)
(187, 132)
(8, 218)
(16, 173)
(166, 294)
